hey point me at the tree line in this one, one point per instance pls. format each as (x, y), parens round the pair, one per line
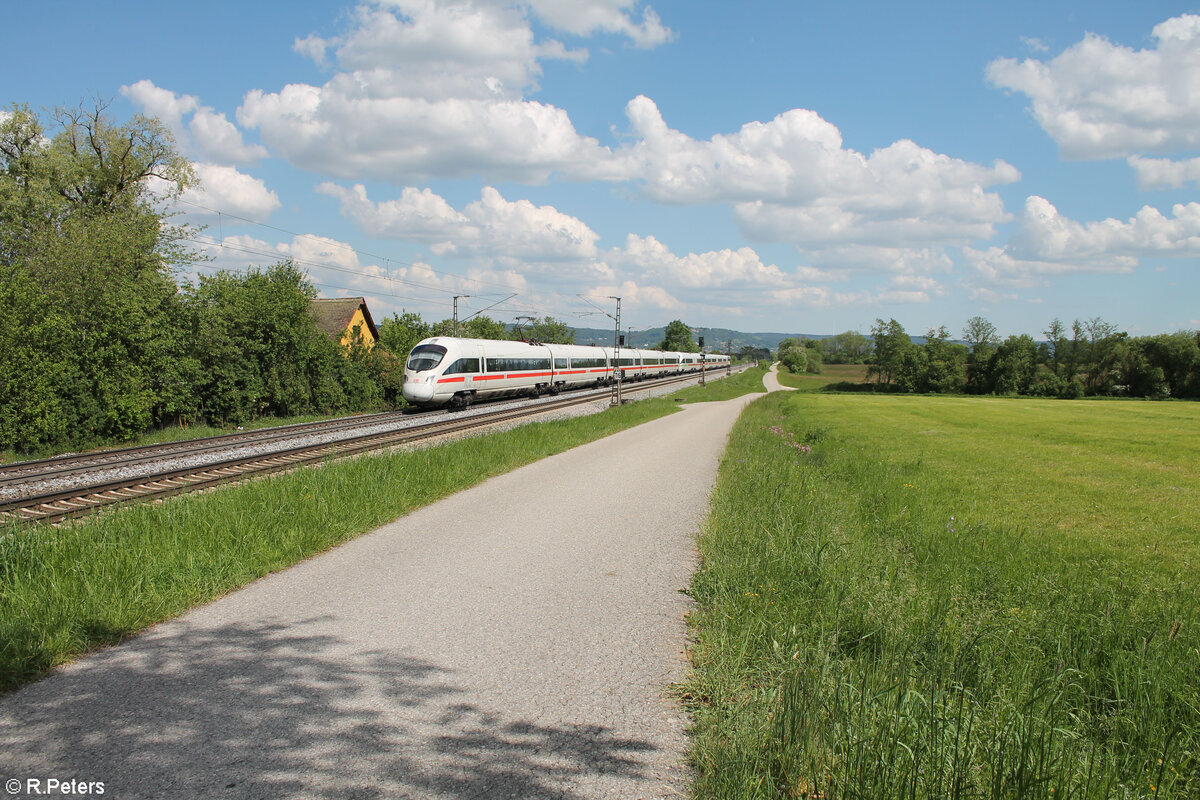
(100, 339)
(1092, 357)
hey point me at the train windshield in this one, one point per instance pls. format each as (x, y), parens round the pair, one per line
(426, 356)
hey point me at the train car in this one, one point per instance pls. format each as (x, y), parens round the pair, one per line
(445, 370)
(717, 361)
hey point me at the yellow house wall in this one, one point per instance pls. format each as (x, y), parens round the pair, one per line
(364, 331)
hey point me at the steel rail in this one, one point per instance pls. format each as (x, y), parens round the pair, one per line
(24, 471)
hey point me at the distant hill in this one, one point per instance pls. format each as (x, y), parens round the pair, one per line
(714, 338)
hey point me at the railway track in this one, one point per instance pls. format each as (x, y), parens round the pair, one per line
(92, 495)
(21, 472)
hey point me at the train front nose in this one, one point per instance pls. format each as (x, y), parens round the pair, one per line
(417, 388)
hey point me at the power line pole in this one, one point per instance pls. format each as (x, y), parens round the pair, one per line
(616, 396)
(464, 296)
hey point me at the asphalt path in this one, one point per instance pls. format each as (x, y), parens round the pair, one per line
(515, 640)
(771, 380)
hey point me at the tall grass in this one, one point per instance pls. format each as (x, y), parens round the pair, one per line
(929, 598)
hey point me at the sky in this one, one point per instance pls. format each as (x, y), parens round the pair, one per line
(786, 166)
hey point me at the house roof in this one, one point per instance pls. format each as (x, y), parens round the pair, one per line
(333, 315)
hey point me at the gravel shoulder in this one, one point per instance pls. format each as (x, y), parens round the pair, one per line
(514, 640)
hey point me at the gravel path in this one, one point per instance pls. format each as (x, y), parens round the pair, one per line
(514, 640)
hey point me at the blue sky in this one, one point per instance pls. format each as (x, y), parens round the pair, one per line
(764, 166)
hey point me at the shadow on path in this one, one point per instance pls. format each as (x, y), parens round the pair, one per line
(270, 711)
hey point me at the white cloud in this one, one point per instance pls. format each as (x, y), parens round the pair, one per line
(428, 90)
(1163, 173)
(163, 104)
(428, 50)
(312, 47)
(219, 139)
(425, 89)
(418, 215)
(714, 269)
(226, 190)
(211, 134)
(919, 283)
(491, 227)
(987, 295)
(651, 301)
(223, 196)
(521, 230)
(1107, 245)
(1048, 244)
(806, 297)
(996, 266)
(323, 251)
(792, 180)
(900, 296)
(516, 238)
(1102, 100)
(585, 17)
(239, 251)
(850, 259)
(340, 129)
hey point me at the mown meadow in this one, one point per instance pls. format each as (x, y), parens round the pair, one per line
(951, 597)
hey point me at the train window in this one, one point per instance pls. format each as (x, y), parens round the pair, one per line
(463, 365)
(516, 364)
(587, 362)
(560, 363)
(425, 356)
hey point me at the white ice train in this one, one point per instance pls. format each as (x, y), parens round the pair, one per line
(445, 370)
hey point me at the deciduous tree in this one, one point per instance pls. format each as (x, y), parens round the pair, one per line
(892, 344)
(549, 330)
(678, 338)
(88, 260)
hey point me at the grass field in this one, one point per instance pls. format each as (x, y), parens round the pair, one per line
(948, 597)
(830, 373)
(66, 590)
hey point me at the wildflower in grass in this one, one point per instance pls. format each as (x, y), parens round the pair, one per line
(790, 438)
(950, 525)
